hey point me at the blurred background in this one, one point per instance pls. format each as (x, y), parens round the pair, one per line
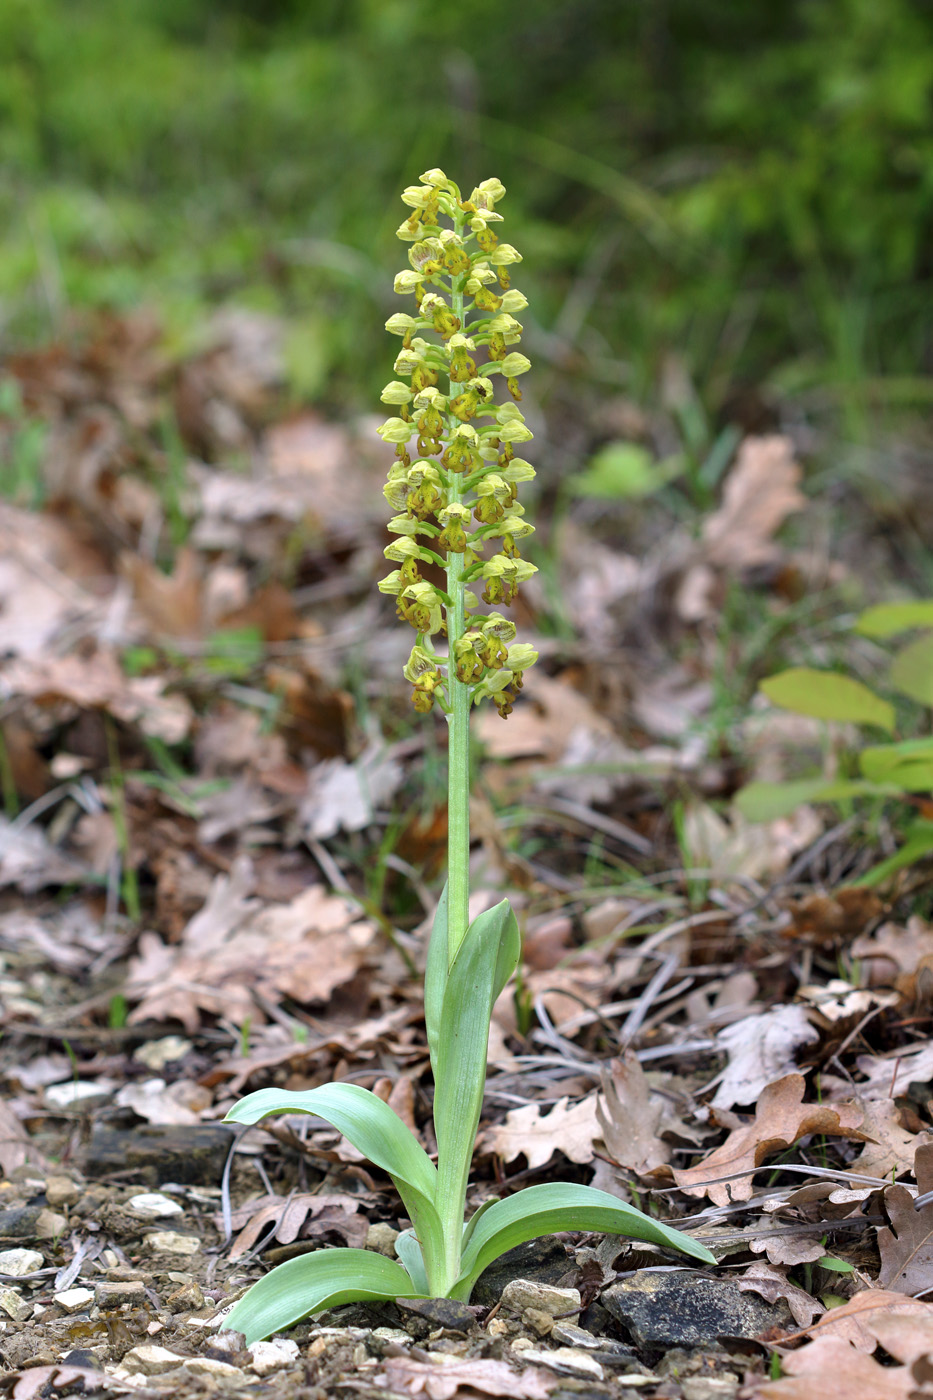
(726, 196)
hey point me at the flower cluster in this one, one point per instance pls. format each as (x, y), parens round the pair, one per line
(454, 484)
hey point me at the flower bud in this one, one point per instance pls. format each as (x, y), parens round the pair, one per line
(407, 281)
(396, 430)
(395, 392)
(515, 363)
(504, 254)
(401, 323)
(513, 300)
(487, 193)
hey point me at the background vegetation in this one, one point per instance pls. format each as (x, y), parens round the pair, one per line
(747, 185)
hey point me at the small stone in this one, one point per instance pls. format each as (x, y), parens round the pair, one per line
(573, 1336)
(661, 1310)
(113, 1294)
(710, 1387)
(523, 1294)
(539, 1321)
(14, 1304)
(187, 1298)
(171, 1242)
(20, 1262)
(156, 1054)
(74, 1299)
(151, 1360)
(427, 1313)
(62, 1191)
(152, 1205)
(19, 1222)
(78, 1093)
(49, 1225)
(497, 1327)
(269, 1356)
(208, 1366)
(381, 1237)
(570, 1361)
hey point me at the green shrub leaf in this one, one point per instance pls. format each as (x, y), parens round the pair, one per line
(826, 695)
(766, 802)
(312, 1282)
(887, 619)
(911, 671)
(561, 1205)
(907, 766)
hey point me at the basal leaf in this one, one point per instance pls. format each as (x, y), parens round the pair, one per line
(826, 695)
(485, 960)
(312, 1282)
(409, 1251)
(376, 1130)
(887, 619)
(555, 1206)
(911, 671)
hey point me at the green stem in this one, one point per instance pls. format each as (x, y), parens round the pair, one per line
(458, 720)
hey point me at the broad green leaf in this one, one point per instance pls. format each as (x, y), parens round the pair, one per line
(409, 1251)
(911, 671)
(834, 1265)
(826, 695)
(887, 619)
(485, 961)
(919, 843)
(765, 802)
(555, 1206)
(375, 1129)
(624, 470)
(908, 766)
(435, 978)
(312, 1282)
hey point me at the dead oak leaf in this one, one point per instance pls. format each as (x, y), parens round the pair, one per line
(772, 1284)
(855, 1322)
(631, 1117)
(760, 491)
(894, 1145)
(781, 1118)
(570, 1128)
(289, 1218)
(760, 1048)
(829, 1366)
(235, 946)
(444, 1378)
(906, 1243)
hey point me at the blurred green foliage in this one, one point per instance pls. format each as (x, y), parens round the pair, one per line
(749, 185)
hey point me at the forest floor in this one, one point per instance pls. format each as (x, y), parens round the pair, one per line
(222, 840)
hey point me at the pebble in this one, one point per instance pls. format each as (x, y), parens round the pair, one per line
(381, 1237)
(74, 1299)
(14, 1304)
(151, 1360)
(49, 1225)
(269, 1356)
(115, 1294)
(207, 1366)
(539, 1321)
(710, 1387)
(570, 1360)
(522, 1294)
(573, 1336)
(187, 1297)
(156, 1054)
(20, 1262)
(152, 1205)
(62, 1191)
(75, 1093)
(171, 1242)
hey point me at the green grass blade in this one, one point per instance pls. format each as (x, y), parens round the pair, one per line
(313, 1282)
(555, 1206)
(377, 1131)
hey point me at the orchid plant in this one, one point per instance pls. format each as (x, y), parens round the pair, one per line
(456, 509)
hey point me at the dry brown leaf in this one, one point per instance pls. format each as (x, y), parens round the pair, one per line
(772, 1284)
(570, 1128)
(235, 946)
(780, 1119)
(855, 1321)
(97, 683)
(760, 491)
(829, 1366)
(894, 1145)
(892, 956)
(442, 1379)
(290, 1217)
(890, 1076)
(344, 796)
(16, 1147)
(760, 1050)
(630, 1117)
(39, 1380)
(788, 1249)
(906, 1244)
(904, 1335)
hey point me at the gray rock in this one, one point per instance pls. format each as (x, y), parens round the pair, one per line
(192, 1155)
(659, 1310)
(543, 1260)
(519, 1294)
(427, 1314)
